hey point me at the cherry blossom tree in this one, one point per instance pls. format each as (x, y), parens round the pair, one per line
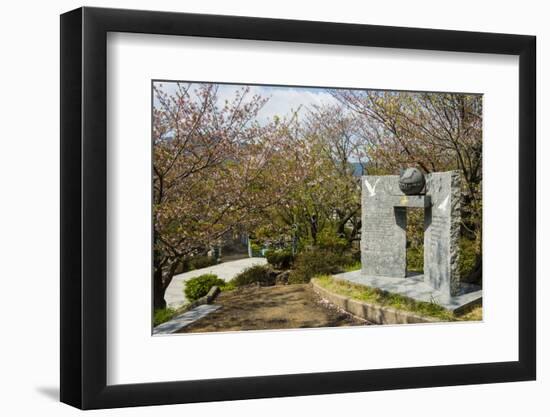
(326, 141)
(215, 169)
(434, 131)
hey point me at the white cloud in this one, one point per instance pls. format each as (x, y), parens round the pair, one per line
(282, 101)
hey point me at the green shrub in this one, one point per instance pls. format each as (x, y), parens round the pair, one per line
(329, 239)
(163, 315)
(317, 262)
(415, 240)
(258, 273)
(468, 255)
(279, 258)
(199, 286)
(199, 262)
(415, 258)
(256, 249)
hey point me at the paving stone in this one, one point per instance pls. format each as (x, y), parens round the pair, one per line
(185, 319)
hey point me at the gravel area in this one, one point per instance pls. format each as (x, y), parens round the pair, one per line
(277, 307)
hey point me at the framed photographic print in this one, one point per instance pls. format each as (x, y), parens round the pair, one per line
(257, 208)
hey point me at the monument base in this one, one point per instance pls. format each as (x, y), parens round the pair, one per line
(414, 287)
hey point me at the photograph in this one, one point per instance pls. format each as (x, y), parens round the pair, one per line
(268, 209)
(294, 207)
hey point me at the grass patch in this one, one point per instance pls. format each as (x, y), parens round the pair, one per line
(475, 314)
(356, 266)
(399, 302)
(228, 286)
(163, 315)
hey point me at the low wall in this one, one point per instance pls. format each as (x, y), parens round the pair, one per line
(372, 313)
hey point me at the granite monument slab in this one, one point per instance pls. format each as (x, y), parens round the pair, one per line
(384, 206)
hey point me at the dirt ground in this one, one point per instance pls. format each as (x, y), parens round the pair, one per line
(277, 307)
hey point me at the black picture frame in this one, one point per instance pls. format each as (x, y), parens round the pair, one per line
(84, 207)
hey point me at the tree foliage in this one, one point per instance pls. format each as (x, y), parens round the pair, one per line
(215, 168)
(328, 198)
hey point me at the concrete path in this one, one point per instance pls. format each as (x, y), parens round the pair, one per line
(185, 319)
(174, 295)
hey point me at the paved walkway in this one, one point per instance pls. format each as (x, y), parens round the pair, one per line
(185, 319)
(174, 295)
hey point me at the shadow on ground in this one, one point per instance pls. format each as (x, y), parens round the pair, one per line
(50, 392)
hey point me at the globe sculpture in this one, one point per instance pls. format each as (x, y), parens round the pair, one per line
(411, 181)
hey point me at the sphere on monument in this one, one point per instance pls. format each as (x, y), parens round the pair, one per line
(411, 181)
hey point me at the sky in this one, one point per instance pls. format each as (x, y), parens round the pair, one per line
(282, 100)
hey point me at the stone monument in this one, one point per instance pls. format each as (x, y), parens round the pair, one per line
(384, 202)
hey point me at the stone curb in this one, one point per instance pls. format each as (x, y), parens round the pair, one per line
(168, 327)
(185, 319)
(373, 313)
(206, 299)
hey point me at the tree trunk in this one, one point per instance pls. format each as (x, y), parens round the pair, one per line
(161, 282)
(158, 290)
(313, 229)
